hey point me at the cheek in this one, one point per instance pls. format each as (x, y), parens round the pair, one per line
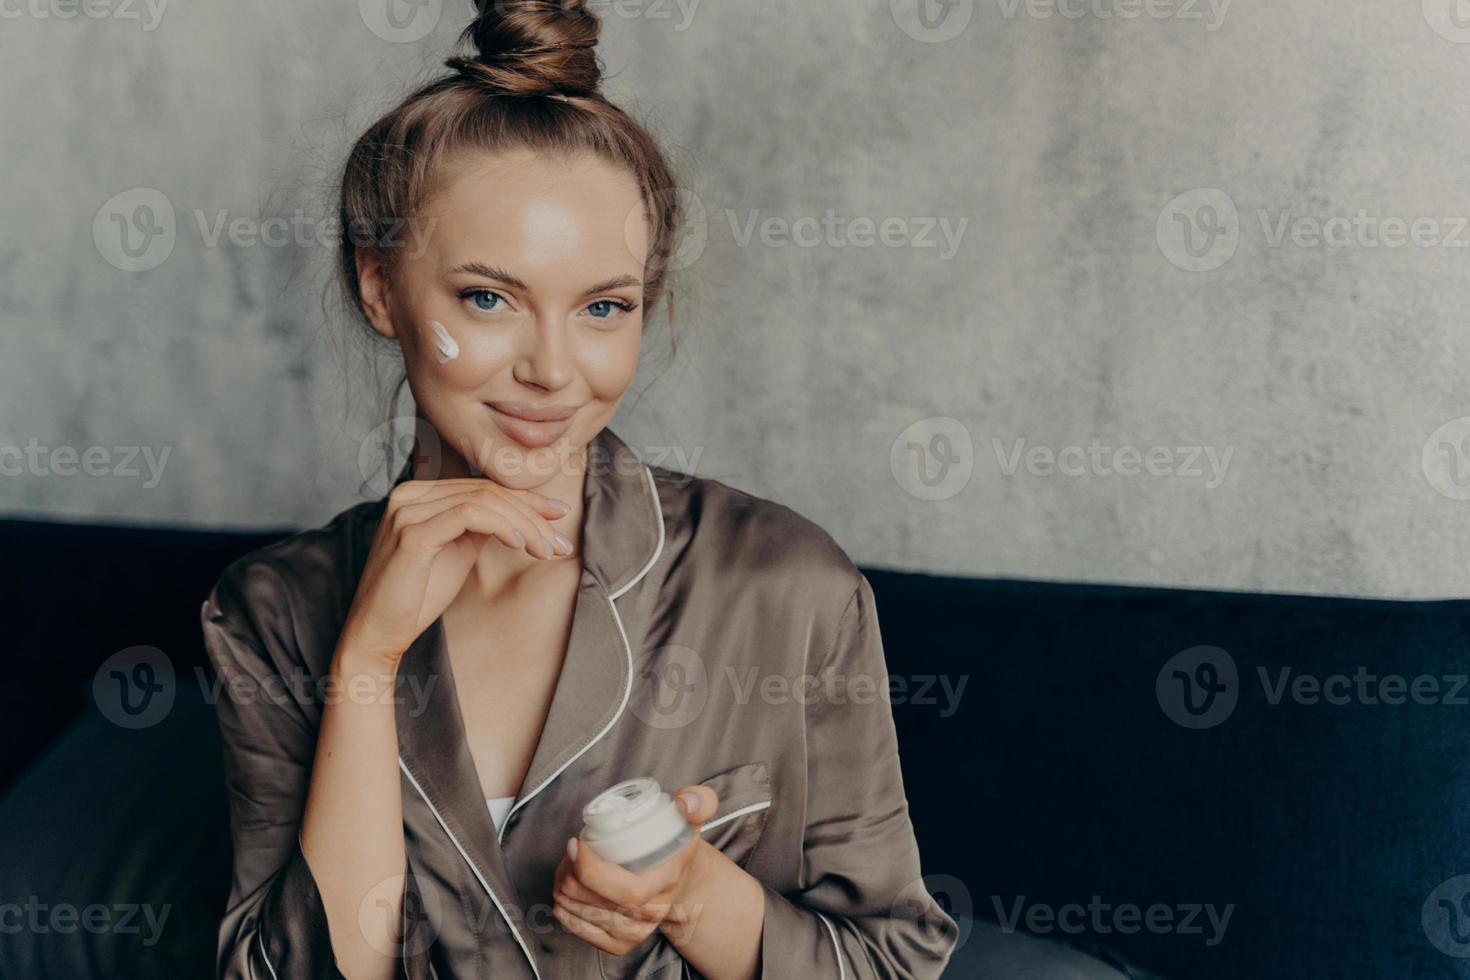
(610, 362)
(465, 358)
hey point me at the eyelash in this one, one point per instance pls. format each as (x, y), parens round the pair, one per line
(623, 305)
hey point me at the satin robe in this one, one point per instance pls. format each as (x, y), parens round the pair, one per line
(718, 638)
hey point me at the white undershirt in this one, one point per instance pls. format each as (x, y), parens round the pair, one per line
(499, 809)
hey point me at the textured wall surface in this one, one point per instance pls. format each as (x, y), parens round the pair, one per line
(1143, 291)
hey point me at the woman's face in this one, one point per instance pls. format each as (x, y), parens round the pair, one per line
(517, 303)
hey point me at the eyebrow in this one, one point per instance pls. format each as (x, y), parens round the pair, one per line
(499, 274)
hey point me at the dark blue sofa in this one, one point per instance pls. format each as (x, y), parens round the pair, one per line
(1193, 784)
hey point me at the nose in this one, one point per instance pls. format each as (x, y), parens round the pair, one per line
(545, 359)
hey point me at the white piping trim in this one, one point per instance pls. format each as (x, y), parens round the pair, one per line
(481, 878)
(260, 941)
(841, 962)
(736, 813)
(627, 651)
(658, 511)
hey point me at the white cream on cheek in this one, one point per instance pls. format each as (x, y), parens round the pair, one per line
(448, 349)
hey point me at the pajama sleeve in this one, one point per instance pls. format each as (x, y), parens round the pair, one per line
(863, 912)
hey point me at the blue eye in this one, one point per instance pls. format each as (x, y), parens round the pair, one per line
(484, 300)
(605, 308)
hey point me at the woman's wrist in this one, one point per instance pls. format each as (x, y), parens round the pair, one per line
(353, 658)
(716, 918)
(712, 882)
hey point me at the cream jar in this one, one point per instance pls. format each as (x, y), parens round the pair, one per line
(634, 824)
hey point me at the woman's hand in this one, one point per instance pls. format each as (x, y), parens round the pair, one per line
(614, 909)
(426, 543)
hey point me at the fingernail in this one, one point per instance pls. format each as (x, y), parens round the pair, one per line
(572, 848)
(564, 542)
(560, 506)
(691, 801)
(520, 538)
(546, 546)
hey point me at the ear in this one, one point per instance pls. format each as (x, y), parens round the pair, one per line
(373, 286)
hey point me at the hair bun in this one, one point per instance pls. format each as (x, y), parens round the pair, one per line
(533, 47)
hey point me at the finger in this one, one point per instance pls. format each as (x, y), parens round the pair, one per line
(416, 491)
(698, 803)
(540, 526)
(620, 923)
(425, 540)
(418, 513)
(612, 883)
(588, 932)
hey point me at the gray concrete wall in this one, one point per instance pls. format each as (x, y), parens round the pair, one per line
(1219, 248)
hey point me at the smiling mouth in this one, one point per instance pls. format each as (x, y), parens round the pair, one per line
(531, 427)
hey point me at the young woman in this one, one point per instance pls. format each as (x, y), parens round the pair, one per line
(423, 693)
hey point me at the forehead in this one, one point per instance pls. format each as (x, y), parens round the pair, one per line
(526, 210)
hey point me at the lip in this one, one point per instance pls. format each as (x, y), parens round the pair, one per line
(534, 428)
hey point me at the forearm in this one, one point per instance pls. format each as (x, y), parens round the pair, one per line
(716, 924)
(352, 829)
